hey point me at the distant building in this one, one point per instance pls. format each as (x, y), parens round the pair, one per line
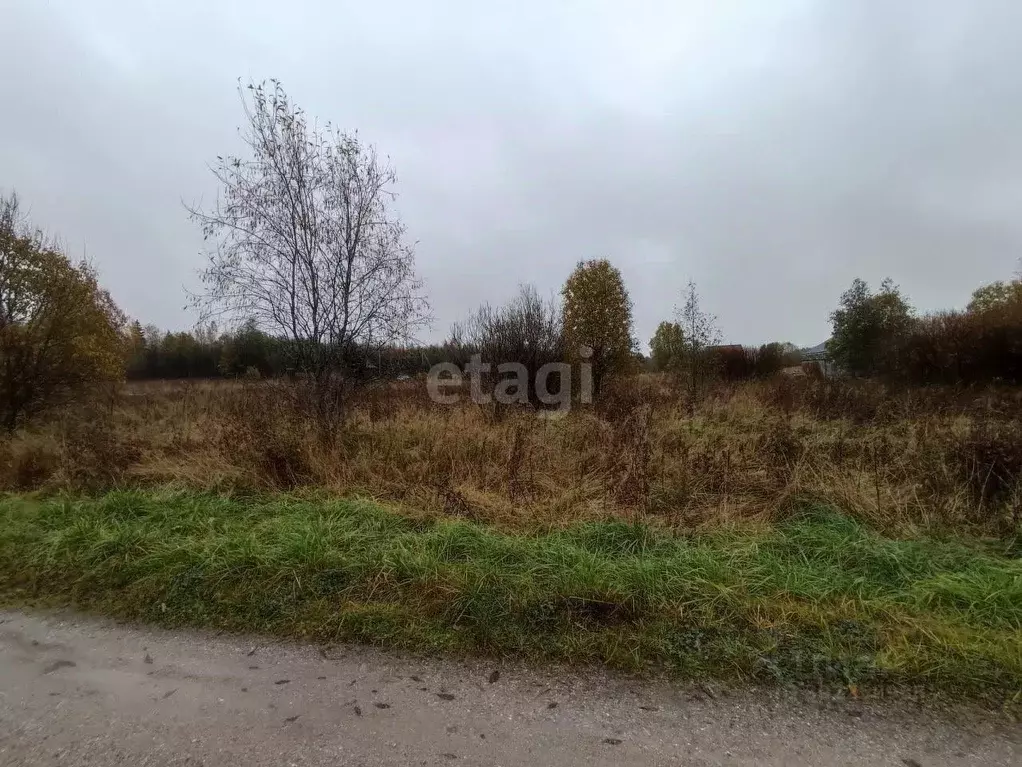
(821, 357)
(816, 353)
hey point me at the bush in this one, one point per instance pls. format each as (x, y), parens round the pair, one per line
(742, 363)
(732, 363)
(965, 348)
(527, 331)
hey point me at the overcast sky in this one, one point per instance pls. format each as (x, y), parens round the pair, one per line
(771, 151)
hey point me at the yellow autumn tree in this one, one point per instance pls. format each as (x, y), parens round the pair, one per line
(598, 318)
(60, 332)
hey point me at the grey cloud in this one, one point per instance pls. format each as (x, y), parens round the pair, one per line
(771, 151)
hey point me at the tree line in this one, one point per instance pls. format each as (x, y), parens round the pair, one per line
(874, 334)
(879, 334)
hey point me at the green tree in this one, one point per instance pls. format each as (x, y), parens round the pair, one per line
(868, 328)
(60, 333)
(598, 317)
(667, 346)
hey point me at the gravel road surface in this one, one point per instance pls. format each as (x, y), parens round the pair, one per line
(81, 691)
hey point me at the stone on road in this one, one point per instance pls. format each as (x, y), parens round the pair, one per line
(78, 691)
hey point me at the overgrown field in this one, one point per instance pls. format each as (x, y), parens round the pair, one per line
(902, 461)
(816, 598)
(794, 529)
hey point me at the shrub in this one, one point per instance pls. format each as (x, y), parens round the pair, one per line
(965, 347)
(774, 357)
(741, 363)
(527, 331)
(830, 398)
(732, 363)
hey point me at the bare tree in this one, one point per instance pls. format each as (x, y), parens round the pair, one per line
(304, 242)
(699, 333)
(526, 331)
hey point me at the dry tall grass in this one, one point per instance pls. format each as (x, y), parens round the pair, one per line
(898, 460)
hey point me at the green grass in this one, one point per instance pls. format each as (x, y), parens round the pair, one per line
(818, 598)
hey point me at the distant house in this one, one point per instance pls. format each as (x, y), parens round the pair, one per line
(816, 353)
(821, 357)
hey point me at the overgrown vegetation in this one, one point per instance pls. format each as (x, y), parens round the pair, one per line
(903, 460)
(816, 598)
(524, 334)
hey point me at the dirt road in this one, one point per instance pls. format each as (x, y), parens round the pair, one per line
(77, 691)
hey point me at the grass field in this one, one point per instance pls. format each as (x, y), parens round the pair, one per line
(840, 533)
(814, 598)
(905, 462)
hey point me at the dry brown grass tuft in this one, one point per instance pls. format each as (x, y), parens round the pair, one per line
(900, 460)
